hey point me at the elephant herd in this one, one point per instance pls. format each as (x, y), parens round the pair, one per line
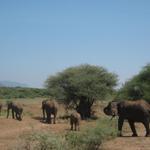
(132, 111)
(49, 108)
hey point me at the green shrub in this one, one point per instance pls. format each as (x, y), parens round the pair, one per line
(137, 87)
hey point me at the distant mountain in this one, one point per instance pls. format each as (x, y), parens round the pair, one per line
(12, 84)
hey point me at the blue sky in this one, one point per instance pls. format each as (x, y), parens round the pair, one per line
(39, 38)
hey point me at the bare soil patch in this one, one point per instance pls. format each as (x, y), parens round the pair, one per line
(127, 142)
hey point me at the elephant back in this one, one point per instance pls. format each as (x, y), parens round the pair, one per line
(17, 106)
(52, 105)
(75, 117)
(136, 104)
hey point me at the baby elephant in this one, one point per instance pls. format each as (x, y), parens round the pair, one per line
(16, 110)
(75, 121)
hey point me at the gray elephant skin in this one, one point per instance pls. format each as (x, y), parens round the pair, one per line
(16, 110)
(133, 111)
(75, 119)
(49, 107)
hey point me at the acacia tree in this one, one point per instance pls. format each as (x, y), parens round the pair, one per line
(82, 86)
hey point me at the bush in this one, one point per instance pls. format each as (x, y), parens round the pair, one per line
(41, 141)
(89, 138)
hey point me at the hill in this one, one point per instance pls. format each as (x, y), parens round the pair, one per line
(12, 84)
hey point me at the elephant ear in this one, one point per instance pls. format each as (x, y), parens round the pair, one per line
(114, 108)
(119, 107)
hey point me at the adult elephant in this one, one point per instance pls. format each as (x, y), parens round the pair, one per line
(133, 111)
(16, 110)
(50, 107)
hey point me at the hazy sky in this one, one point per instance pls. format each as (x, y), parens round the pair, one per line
(41, 37)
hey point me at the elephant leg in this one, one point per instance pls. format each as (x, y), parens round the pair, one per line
(132, 126)
(20, 115)
(16, 114)
(43, 113)
(13, 115)
(71, 123)
(78, 126)
(75, 127)
(50, 118)
(146, 125)
(54, 119)
(20, 118)
(47, 115)
(120, 124)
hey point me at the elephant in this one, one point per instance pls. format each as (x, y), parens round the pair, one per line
(133, 111)
(43, 108)
(51, 108)
(0, 108)
(75, 119)
(16, 110)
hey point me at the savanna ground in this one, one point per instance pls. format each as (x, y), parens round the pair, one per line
(12, 130)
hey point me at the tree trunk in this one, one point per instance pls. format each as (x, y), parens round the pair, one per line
(84, 109)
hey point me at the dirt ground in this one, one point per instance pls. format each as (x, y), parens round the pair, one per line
(127, 142)
(10, 130)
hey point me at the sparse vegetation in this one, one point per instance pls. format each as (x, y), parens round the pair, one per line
(40, 141)
(89, 138)
(92, 137)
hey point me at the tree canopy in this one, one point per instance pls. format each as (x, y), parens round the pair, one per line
(137, 87)
(81, 84)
